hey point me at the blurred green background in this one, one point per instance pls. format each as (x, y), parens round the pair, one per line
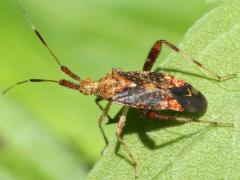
(48, 132)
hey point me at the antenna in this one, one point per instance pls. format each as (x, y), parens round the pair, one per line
(26, 81)
(64, 69)
(40, 37)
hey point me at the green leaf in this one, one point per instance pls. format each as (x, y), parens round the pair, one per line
(190, 151)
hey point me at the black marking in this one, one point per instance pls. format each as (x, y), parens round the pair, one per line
(36, 80)
(26, 81)
(40, 37)
(193, 102)
(170, 45)
(197, 63)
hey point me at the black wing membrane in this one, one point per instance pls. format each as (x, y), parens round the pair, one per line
(189, 98)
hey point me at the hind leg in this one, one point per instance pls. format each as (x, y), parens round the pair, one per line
(153, 115)
(156, 50)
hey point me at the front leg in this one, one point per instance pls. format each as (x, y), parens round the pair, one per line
(97, 101)
(101, 119)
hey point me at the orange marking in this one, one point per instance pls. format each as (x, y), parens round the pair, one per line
(150, 86)
(176, 82)
(174, 105)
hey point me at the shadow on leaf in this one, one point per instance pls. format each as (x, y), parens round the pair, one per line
(137, 123)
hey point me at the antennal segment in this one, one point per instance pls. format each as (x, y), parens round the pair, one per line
(40, 37)
(26, 81)
(65, 69)
(63, 82)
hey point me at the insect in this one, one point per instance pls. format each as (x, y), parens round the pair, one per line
(150, 92)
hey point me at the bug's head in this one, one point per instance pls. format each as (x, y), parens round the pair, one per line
(190, 98)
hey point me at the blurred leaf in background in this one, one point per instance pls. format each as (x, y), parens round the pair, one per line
(48, 132)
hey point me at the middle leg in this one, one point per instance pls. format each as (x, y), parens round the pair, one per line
(120, 126)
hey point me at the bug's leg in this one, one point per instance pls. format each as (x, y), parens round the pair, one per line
(120, 126)
(97, 101)
(156, 49)
(153, 115)
(62, 82)
(64, 69)
(101, 119)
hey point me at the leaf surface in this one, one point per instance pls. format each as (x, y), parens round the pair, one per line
(29, 151)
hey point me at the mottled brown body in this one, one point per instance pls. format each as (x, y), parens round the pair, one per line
(145, 90)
